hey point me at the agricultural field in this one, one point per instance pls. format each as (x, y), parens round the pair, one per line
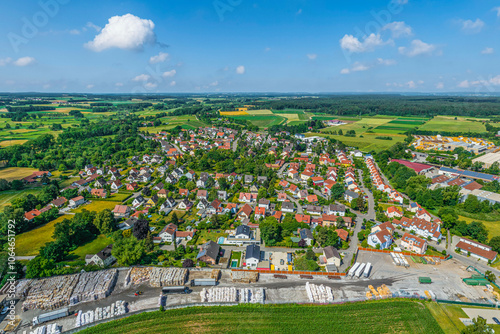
(6, 197)
(29, 243)
(454, 124)
(233, 113)
(368, 317)
(170, 122)
(260, 112)
(262, 121)
(16, 173)
(7, 143)
(399, 125)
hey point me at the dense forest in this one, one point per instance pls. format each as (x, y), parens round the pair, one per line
(396, 105)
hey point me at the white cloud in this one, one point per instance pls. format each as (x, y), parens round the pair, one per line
(487, 51)
(369, 43)
(159, 58)
(472, 27)
(312, 56)
(25, 61)
(169, 74)
(398, 29)
(214, 84)
(440, 85)
(74, 32)
(417, 48)
(410, 84)
(358, 67)
(240, 69)
(496, 9)
(127, 32)
(173, 83)
(5, 61)
(141, 77)
(119, 84)
(493, 81)
(93, 26)
(90, 86)
(150, 85)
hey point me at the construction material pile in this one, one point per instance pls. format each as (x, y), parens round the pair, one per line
(231, 294)
(100, 313)
(157, 277)
(93, 286)
(319, 293)
(59, 291)
(241, 276)
(252, 296)
(46, 329)
(48, 293)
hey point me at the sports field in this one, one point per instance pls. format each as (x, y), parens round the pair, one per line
(367, 317)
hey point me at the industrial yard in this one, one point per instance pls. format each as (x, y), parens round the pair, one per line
(137, 289)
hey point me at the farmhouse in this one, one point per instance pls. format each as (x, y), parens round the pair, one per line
(103, 258)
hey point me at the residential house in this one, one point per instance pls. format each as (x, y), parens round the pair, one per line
(163, 193)
(185, 204)
(222, 195)
(314, 209)
(58, 202)
(281, 197)
(214, 207)
(335, 209)
(152, 201)
(247, 197)
(202, 194)
(184, 192)
(245, 211)
(393, 212)
(350, 195)
(158, 187)
(261, 179)
(167, 234)
(252, 256)
(332, 256)
(115, 185)
(30, 215)
(100, 183)
(260, 212)
(209, 253)
(202, 182)
(77, 201)
(202, 204)
(103, 258)
(121, 211)
(306, 235)
(138, 201)
(248, 179)
(413, 243)
(264, 203)
(243, 232)
(288, 207)
(132, 186)
(184, 235)
(306, 175)
(381, 238)
(101, 193)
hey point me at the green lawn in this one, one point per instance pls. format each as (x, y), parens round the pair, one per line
(98, 206)
(92, 247)
(448, 316)
(236, 256)
(366, 317)
(366, 143)
(205, 236)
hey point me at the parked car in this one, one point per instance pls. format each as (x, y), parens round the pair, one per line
(496, 320)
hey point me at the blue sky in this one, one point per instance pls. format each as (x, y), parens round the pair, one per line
(250, 46)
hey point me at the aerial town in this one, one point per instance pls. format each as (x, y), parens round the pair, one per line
(253, 167)
(222, 214)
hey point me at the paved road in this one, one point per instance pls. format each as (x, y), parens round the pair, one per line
(282, 169)
(235, 143)
(297, 204)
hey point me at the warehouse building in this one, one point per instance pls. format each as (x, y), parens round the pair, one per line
(476, 249)
(488, 159)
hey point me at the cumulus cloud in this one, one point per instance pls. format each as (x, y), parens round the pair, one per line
(169, 74)
(358, 67)
(127, 32)
(141, 77)
(369, 43)
(410, 84)
(159, 58)
(173, 83)
(440, 85)
(214, 84)
(487, 51)
(25, 61)
(150, 85)
(398, 29)
(472, 27)
(417, 48)
(312, 56)
(240, 69)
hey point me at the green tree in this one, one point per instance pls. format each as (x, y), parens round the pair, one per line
(495, 243)
(478, 326)
(105, 221)
(128, 251)
(39, 267)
